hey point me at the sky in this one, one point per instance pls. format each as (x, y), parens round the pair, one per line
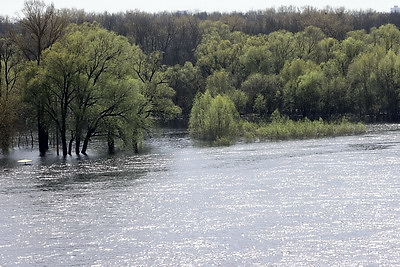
(12, 8)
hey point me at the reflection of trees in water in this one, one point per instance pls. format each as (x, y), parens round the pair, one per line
(116, 171)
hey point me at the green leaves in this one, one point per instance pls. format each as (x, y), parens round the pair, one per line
(213, 119)
(93, 82)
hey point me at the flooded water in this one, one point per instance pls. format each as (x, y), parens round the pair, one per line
(332, 201)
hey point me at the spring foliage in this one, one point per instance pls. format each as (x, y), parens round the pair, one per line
(214, 119)
(282, 128)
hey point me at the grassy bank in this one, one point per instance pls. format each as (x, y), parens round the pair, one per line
(283, 129)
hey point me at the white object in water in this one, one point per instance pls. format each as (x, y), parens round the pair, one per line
(25, 161)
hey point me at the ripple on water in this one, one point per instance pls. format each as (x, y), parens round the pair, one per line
(303, 202)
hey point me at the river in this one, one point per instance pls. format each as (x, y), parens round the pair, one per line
(331, 201)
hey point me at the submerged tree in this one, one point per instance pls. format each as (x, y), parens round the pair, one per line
(89, 88)
(42, 26)
(213, 119)
(11, 65)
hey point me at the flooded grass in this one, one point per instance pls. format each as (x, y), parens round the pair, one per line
(304, 129)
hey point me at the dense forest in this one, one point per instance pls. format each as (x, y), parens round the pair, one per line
(67, 76)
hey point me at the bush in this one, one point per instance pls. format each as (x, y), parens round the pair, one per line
(213, 119)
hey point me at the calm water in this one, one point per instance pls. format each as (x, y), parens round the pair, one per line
(292, 203)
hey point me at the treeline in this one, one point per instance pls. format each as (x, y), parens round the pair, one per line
(178, 34)
(70, 75)
(303, 74)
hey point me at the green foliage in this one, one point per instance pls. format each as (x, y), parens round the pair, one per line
(301, 80)
(96, 82)
(93, 82)
(8, 118)
(260, 104)
(213, 119)
(11, 69)
(219, 82)
(282, 129)
(186, 81)
(257, 59)
(307, 42)
(282, 46)
(262, 87)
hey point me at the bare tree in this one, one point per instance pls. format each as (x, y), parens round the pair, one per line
(43, 25)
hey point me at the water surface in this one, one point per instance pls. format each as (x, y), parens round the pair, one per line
(332, 201)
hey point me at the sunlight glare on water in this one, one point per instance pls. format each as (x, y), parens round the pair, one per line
(332, 201)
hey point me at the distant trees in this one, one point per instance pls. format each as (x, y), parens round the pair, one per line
(178, 34)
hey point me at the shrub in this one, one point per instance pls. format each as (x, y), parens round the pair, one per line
(213, 119)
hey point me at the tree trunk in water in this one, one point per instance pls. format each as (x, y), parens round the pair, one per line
(111, 143)
(64, 142)
(57, 143)
(43, 136)
(77, 144)
(135, 147)
(86, 141)
(32, 139)
(70, 143)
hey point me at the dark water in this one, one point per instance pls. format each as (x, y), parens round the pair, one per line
(331, 201)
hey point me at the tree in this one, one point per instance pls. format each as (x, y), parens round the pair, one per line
(219, 82)
(105, 56)
(307, 42)
(281, 45)
(11, 68)
(296, 82)
(55, 83)
(388, 74)
(309, 94)
(186, 81)
(387, 36)
(326, 49)
(219, 49)
(213, 119)
(335, 93)
(263, 93)
(362, 78)
(44, 25)
(260, 104)
(256, 55)
(92, 75)
(150, 71)
(347, 51)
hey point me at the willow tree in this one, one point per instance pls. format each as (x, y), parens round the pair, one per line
(42, 26)
(213, 119)
(91, 88)
(11, 66)
(55, 82)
